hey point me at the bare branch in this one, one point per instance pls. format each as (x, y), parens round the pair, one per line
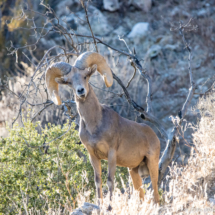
(172, 140)
(115, 49)
(47, 102)
(88, 22)
(20, 111)
(120, 95)
(125, 44)
(41, 110)
(144, 115)
(132, 76)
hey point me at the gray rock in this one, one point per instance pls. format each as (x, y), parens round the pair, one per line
(203, 12)
(213, 63)
(111, 5)
(47, 43)
(177, 11)
(153, 51)
(87, 208)
(98, 22)
(139, 30)
(171, 47)
(63, 7)
(77, 22)
(200, 81)
(212, 201)
(83, 29)
(197, 65)
(164, 40)
(143, 4)
(183, 91)
(121, 31)
(77, 212)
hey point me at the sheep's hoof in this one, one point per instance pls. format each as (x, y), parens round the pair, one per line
(109, 208)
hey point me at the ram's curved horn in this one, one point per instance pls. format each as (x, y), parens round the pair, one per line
(87, 59)
(56, 70)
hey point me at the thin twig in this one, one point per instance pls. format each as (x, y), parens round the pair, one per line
(120, 95)
(88, 22)
(26, 142)
(131, 77)
(41, 110)
(125, 44)
(115, 49)
(47, 102)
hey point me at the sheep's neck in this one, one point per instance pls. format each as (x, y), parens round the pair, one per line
(90, 111)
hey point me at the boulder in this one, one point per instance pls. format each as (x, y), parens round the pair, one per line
(203, 12)
(111, 5)
(121, 31)
(78, 22)
(64, 7)
(212, 201)
(164, 40)
(153, 51)
(139, 30)
(85, 209)
(98, 22)
(171, 47)
(77, 212)
(144, 5)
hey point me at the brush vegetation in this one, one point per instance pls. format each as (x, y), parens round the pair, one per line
(33, 175)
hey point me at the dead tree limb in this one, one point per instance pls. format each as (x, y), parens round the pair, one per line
(172, 139)
(88, 22)
(144, 115)
(41, 110)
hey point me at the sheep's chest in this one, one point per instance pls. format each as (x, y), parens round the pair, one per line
(94, 143)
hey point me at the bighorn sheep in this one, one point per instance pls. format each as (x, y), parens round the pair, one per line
(105, 134)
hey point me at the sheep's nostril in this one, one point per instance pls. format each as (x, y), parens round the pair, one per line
(80, 90)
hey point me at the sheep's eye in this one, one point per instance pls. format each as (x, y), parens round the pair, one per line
(85, 77)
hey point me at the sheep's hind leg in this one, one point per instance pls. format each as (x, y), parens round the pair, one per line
(137, 181)
(153, 171)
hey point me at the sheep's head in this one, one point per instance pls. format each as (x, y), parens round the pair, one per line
(78, 80)
(77, 76)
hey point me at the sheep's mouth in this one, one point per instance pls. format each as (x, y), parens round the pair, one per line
(81, 96)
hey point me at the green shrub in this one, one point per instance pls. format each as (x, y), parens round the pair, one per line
(33, 177)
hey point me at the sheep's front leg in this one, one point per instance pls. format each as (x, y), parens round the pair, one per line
(111, 170)
(96, 163)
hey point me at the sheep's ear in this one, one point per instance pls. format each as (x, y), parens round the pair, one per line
(61, 80)
(92, 69)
